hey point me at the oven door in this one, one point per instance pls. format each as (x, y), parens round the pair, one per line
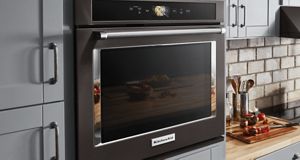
(138, 84)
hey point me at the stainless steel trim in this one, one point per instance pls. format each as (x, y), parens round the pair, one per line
(213, 84)
(244, 24)
(53, 47)
(54, 126)
(142, 134)
(128, 34)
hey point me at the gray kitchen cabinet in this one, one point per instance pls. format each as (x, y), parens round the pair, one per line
(54, 113)
(21, 73)
(212, 152)
(27, 133)
(31, 81)
(53, 44)
(251, 18)
(291, 152)
(22, 145)
(26, 62)
(294, 2)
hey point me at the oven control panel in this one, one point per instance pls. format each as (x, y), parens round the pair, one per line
(104, 10)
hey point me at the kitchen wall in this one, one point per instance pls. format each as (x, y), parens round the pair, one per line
(273, 63)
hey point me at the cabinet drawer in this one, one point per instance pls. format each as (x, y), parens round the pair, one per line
(287, 153)
(23, 145)
(20, 119)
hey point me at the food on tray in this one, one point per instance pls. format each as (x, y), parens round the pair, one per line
(243, 123)
(253, 130)
(261, 116)
(97, 91)
(251, 118)
(159, 80)
(139, 91)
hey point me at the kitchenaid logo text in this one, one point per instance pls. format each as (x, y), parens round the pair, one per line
(162, 140)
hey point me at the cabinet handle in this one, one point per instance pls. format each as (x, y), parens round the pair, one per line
(296, 156)
(244, 24)
(236, 11)
(54, 126)
(53, 46)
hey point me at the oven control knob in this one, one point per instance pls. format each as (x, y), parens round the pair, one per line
(160, 11)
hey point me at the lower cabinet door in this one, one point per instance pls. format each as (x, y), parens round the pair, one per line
(291, 152)
(22, 145)
(54, 134)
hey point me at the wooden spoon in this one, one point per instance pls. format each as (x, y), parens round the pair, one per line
(234, 85)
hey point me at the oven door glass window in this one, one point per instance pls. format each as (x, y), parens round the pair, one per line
(142, 89)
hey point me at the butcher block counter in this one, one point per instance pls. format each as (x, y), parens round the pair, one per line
(237, 150)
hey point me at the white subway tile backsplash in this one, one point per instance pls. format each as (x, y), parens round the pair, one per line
(256, 66)
(264, 53)
(247, 54)
(294, 49)
(263, 78)
(272, 89)
(287, 40)
(231, 56)
(280, 99)
(271, 41)
(280, 51)
(297, 84)
(287, 86)
(256, 42)
(297, 60)
(273, 64)
(264, 102)
(294, 73)
(287, 62)
(280, 75)
(294, 96)
(256, 92)
(235, 44)
(237, 69)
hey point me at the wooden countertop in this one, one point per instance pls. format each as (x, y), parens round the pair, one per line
(237, 150)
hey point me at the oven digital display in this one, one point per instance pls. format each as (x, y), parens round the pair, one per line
(143, 89)
(146, 10)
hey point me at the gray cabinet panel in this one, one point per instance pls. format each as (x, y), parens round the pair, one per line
(218, 152)
(233, 27)
(203, 155)
(25, 145)
(294, 2)
(53, 113)
(286, 153)
(53, 33)
(212, 152)
(260, 18)
(255, 18)
(20, 119)
(20, 53)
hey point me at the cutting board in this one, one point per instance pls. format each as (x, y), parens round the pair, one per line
(236, 132)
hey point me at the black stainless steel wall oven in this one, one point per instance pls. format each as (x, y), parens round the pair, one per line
(150, 76)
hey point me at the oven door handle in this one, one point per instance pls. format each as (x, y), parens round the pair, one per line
(145, 33)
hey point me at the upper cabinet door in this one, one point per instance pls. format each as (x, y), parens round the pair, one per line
(53, 50)
(253, 18)
(294, 2)
(21, 81)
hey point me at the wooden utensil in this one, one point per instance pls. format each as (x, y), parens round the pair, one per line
(237, 80)
(234, 85)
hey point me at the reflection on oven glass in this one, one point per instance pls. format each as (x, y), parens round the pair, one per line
(159, 98)
(142, 89)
